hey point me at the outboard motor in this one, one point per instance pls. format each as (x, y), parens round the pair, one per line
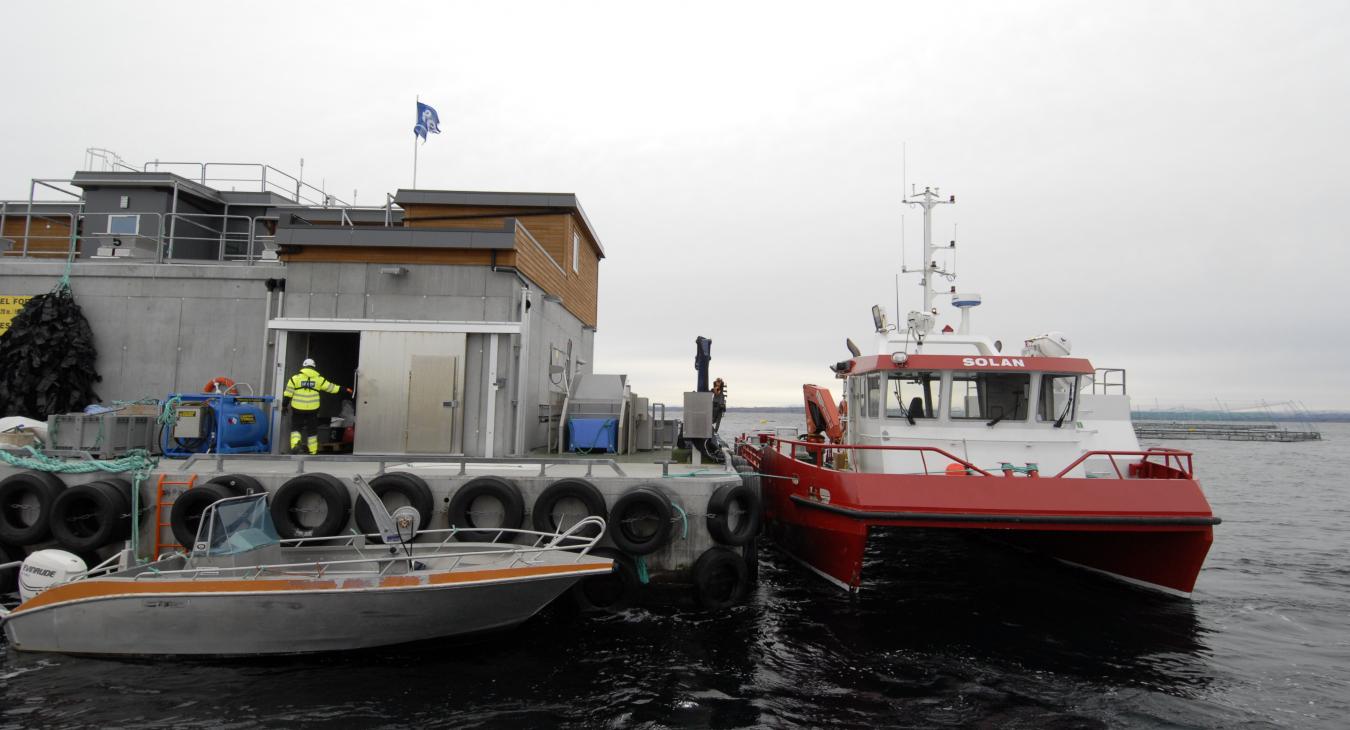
(46, 568)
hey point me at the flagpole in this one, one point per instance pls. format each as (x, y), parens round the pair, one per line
(419, 101)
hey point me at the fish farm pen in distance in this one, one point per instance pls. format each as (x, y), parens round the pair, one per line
(1173, 430)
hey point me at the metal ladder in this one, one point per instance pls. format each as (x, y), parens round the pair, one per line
(160, 504)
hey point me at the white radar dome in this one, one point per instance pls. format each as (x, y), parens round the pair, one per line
(1050, 344)
(46, 568)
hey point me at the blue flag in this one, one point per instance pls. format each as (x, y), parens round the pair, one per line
(427, 121)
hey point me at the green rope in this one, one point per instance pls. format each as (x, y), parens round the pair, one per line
(684, 518)
(168, 415)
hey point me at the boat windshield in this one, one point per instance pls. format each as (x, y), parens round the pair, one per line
(1057, 399)
(912, 395)
(990, 396)
(237, 525)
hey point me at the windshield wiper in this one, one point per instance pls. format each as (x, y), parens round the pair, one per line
(1068, 407)
(998, 418)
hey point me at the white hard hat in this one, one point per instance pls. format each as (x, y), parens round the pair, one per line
(308, 363)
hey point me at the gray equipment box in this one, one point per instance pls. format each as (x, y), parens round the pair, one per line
(190, 423)
(102, 436)
(698, 419)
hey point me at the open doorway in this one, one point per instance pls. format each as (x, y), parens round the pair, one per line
(336, 357)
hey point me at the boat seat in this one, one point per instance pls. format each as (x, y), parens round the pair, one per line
(916, 407)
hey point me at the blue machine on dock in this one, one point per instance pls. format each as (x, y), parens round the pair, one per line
(216, 423)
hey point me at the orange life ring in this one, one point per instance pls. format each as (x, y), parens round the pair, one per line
(222, 385)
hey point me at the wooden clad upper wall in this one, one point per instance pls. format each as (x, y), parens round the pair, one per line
(47, 236)
(551, 232)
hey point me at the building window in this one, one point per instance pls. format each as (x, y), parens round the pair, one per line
(126, 225)
(576, 252)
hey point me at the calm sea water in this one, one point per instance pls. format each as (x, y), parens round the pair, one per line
(951, 632)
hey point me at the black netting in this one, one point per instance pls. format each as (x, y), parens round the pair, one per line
(47, 358)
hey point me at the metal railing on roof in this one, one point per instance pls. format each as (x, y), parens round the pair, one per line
(234, 237)
(266, 178)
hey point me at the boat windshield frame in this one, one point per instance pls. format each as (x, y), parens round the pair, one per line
(245, 524)
(873, 392)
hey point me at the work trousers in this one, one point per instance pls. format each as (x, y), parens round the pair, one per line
(305, 423)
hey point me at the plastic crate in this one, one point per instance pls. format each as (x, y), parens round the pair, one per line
(593, 434)
(103, 436)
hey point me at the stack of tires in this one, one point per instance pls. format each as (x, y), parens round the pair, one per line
(37, 508)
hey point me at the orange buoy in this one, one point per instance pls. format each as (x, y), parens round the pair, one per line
(222, 385)
(955, 470)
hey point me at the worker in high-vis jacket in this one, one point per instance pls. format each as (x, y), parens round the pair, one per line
(301, 397)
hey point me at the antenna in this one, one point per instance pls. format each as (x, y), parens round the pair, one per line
(903, 269)
(897, 297)
(928, 200)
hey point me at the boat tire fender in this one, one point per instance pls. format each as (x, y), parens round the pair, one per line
(186, 513)
(733, 514)
(240, 484)
(412, 488)
(17, 525)
(504, 491)
(88, 516)
(337, 501)
(605, 594)
(637, 509)
(578, 490)
(721, 578)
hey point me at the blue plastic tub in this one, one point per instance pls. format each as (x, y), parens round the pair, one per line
(593, 434)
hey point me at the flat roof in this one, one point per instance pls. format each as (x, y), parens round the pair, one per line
(561, 201)
(121, 179)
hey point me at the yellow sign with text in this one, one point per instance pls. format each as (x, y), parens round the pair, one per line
(10, 306)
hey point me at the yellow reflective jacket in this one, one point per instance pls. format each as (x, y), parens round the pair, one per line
(304, 387)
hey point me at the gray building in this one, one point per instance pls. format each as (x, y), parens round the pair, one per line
(455, 315)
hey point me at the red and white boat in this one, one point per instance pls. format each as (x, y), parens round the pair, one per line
(942, 429)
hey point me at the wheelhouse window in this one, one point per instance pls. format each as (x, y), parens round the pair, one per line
(912, 395)
(990, 396)
(874, 395)
(1058, 399)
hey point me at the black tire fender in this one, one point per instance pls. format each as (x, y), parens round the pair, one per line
(241, 484)
(337, 501)
(27, 491)
(504, 491)
(641, 521)
(721, 578)
(186, 513)
(603, 594)
(580, 490)
(413, 490)
(88, 516)
(733, 514)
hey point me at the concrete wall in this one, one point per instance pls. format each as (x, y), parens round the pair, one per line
(161, 328)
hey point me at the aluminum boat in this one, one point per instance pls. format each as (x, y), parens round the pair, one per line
(242, 591)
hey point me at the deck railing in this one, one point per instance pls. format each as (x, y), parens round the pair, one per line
(1176, 464)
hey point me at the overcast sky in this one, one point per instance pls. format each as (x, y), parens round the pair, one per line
(1164, 182)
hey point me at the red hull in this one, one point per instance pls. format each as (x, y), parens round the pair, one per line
(1153, 530)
